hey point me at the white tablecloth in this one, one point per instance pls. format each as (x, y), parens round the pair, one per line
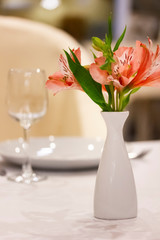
(61, 207)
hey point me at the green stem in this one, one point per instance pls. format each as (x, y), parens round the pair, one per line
(117, 100)
(109, 94)
(120, 101)
(110, 99)
(112, 94)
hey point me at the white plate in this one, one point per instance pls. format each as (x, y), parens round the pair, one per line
(55, 152)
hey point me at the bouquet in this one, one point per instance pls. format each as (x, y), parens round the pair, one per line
(115, 74)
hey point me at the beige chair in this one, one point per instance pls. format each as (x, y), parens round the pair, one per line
(28, 44)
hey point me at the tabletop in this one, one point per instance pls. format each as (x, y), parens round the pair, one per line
(61, 207)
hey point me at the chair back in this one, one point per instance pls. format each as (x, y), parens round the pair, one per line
(28, 44)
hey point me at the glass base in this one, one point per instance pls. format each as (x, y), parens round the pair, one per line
(23, 178)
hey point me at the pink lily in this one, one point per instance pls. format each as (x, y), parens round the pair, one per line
(133, 67)
(64, 79)
(148, 73)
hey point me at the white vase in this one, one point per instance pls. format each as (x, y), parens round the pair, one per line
(115, 193)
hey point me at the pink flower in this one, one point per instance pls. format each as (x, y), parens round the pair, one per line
(98, 74)
(133, 67)
(148, 73)
(64, 79)
(102, 76)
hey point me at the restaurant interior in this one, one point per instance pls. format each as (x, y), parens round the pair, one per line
(68, 168)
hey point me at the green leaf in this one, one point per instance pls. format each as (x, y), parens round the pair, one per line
(119, 40)
(134, 90)
(110, 29)
(125, 101)
(126, 98)
(91, 87)
(106, 40)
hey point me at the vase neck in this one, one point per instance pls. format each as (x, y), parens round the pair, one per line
(115, 120)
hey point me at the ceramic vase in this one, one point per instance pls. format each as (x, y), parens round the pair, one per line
(115, 192)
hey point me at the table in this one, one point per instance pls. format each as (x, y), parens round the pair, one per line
(61, 207)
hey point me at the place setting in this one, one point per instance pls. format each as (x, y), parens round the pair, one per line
(61, 153)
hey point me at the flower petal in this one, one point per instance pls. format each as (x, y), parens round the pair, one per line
(97, 74)
(56, 85)
(77, 52)
(145, 59)
(100, 61)
(126, 61)
(116, 82)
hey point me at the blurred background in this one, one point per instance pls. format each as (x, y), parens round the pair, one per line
(86, 18)
(90, 16)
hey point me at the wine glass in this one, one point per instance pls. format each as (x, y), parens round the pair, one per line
(27, 102)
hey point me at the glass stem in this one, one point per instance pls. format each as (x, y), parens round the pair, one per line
(26, 167)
